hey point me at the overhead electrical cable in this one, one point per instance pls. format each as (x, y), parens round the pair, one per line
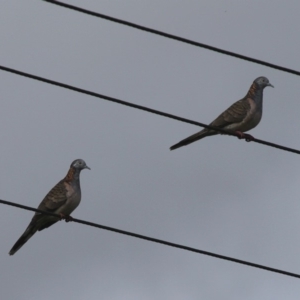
(150, 110)
(174, 37)
(159, 241)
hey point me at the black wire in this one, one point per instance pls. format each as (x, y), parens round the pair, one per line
(163, 242)
(157, 112)
(174, 37)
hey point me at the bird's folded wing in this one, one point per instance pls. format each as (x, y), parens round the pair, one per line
(55, 198)
(236, 113)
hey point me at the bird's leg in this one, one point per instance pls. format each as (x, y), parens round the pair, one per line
(62, 216)
(66, 218)
(246, 136)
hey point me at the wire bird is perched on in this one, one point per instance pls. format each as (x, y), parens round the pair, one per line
(241, 116)
(62, 200)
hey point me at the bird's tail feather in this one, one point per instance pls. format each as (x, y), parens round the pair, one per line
(29, 232)
(193, 138)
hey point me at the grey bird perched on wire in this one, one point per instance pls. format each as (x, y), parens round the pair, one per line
(62, 199)
(241, 116)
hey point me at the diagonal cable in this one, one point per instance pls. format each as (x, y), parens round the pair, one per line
(174, 37)
(150, 110)
(159, 241)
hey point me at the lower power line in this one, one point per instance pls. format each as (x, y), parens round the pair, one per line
(159, 241)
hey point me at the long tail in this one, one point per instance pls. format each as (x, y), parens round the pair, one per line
(193, 138)
(29, 232)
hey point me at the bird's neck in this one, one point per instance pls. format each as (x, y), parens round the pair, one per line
(72, 175)
(256, 93)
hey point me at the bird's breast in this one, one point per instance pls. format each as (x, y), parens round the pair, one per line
(73, 199)
(253, 117)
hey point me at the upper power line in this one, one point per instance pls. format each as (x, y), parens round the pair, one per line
(174, 37)
(153, 111)
(159, 241)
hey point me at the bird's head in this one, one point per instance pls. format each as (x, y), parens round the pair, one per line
(262, 82)
(79, 164)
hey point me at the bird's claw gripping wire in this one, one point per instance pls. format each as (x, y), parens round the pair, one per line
(246, 136)
(66, 218)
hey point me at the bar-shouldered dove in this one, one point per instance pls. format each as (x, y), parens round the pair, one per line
(241, 116)
(62, 199)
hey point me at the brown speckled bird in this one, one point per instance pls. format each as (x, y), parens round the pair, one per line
(241, 116)
(62, 200)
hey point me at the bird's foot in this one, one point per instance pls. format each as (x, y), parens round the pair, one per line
(246, 136)
(66, 218)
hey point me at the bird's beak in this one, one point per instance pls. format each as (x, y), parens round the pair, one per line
(269, 84)
(86, 167)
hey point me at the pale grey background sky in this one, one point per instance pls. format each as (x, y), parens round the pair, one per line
(220, 194)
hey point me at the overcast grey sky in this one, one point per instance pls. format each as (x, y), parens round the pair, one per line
(220, 194)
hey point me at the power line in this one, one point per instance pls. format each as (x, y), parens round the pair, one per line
(150, 110)
(174, 37)
(159, 241)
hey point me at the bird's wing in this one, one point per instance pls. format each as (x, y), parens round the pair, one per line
(55, 199)
(236, 113)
